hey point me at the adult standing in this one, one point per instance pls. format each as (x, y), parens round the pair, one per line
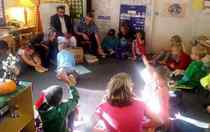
(61, 22)
(88, 35)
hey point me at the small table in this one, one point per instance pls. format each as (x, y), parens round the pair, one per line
(22, 99)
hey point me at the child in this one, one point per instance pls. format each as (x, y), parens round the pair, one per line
(121, 111)
(166, 55)
(194, 72)
(30, 58)
(52, 110)
(122, 50)
(4, 53)
(65, 59)
(40, 48)
(110, 42)
(138, 46)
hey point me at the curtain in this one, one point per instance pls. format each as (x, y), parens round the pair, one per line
(38, 18)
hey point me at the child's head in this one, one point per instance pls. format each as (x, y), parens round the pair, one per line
(52, 35)
(68, 35)
(4, 48)
(29, 50)
(111, 32)
(197, 53)
(62, 43)
(139, 34)
(123, 29)
(54, 95)
(202, 39)
(120, 90)
(176, 49)
(176, 39)
(37, 39)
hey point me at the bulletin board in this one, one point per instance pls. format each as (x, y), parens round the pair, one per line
(76, 8)
(2, 17)
(133, 15)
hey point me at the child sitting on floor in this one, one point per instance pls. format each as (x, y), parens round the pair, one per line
(65, 59)
(4, 53)
(110, 42)
(52, 110)
(28, 57)
(138, 46)
(123, 48)
(194, 72)
(167, 55)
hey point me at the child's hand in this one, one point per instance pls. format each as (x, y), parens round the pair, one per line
(72, 80)
(146, 62)
(85, 37)
(172, 66)
(162, 62)
(178, 72)
(208, 109)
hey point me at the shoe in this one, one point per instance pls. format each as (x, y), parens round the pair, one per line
(40, 70)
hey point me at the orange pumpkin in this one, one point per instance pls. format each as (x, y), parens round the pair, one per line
(7, 87)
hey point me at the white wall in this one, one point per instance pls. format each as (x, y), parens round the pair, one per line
(159, 27)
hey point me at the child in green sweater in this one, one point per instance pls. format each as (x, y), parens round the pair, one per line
(52, 110)
(194, 72)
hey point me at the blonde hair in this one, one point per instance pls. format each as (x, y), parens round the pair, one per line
(177, 39)
(198, 50)
(120, 90)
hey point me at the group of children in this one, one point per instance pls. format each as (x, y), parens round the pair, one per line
(186, 71)
(125, 44)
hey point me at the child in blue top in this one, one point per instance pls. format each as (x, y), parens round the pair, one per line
(110, 42)
(65, 59)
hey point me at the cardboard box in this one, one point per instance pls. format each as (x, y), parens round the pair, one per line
(79, 54)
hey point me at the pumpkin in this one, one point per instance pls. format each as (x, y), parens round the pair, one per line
(7, 87)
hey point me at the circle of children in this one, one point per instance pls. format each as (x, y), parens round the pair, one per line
(120, 111)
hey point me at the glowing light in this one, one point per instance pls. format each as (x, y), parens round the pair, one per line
(149, 94)
(192, 121)
(17, 13)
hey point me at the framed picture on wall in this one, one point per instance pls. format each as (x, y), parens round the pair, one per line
(173, 9)
(2, 15)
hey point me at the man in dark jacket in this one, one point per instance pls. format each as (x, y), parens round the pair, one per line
(60, 21)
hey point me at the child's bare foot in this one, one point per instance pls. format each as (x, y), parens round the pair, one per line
(45, 69)
(39, 69)
(101, 53)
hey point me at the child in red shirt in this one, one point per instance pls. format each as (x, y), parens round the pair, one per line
(138, 46)
(182, 59)
(121, 111)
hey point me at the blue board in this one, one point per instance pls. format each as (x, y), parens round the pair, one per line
(133, 15)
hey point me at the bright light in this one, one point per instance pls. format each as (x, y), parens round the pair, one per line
(145, 74)
(16, 13)
(149, 94)
(192, 121)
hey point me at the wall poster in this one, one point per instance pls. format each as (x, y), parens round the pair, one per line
(133, 15)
